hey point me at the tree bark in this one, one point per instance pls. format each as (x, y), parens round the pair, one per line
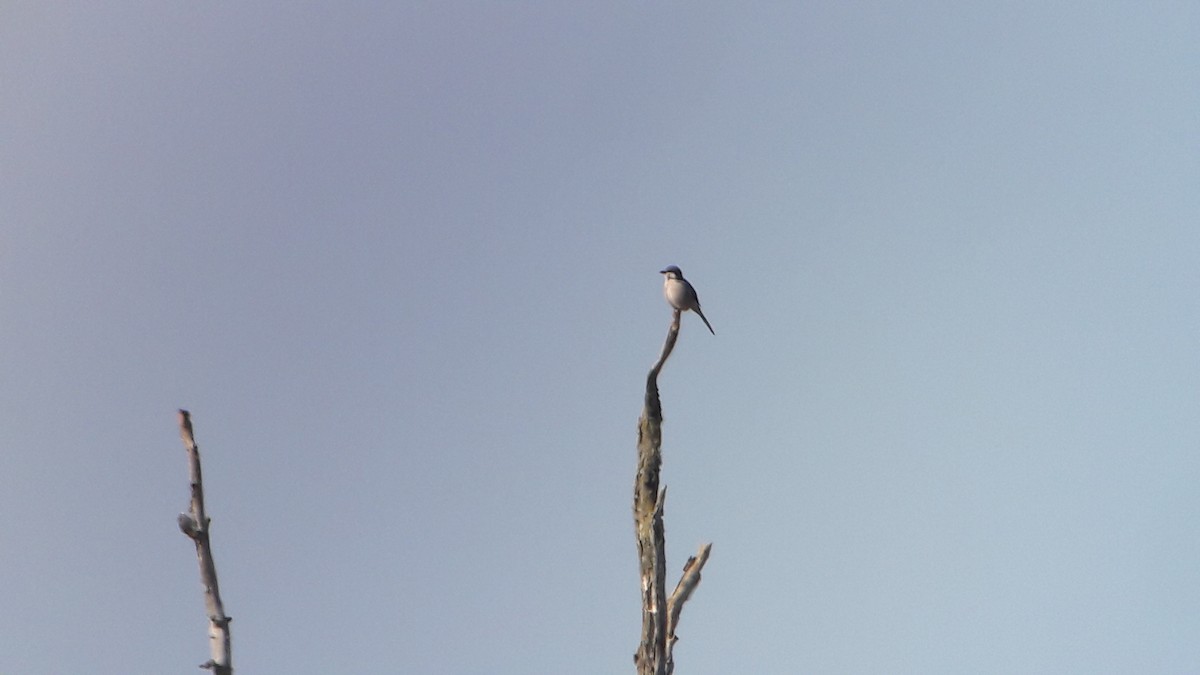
(660, 615)
(194, 524)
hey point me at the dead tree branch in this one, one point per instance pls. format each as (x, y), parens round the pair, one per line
(660, 616)
(194, 525)
(683, 590)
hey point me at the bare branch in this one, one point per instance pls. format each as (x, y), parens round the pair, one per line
(688, 582)
(659, 615)
(195, 526)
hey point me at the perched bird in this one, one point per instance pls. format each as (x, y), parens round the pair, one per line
(681, 295)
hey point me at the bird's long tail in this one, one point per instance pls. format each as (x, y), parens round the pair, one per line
(706, 323)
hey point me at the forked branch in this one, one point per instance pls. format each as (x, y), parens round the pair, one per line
(660, 615)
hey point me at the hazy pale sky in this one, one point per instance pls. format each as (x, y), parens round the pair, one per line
(400, 260)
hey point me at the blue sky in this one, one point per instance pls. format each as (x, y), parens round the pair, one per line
(400, 261)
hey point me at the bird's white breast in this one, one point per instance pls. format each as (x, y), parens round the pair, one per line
(676, 293)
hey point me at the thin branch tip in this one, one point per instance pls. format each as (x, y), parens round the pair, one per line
(194, 524)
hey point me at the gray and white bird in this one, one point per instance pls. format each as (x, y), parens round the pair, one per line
(681, 295)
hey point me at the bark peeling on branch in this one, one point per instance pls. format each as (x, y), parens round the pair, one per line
(660, 614)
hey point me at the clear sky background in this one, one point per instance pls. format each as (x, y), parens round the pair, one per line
(400, 260)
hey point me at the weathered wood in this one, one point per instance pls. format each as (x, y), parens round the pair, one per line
(194, 525)
(659, 615)
(683, 590)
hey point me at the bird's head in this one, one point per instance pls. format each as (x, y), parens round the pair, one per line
(673, 272)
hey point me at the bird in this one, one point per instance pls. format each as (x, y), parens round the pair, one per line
(681, 295)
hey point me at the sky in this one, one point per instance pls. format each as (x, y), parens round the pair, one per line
(400, 261)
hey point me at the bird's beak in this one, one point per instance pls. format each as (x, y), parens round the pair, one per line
(662, 271)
